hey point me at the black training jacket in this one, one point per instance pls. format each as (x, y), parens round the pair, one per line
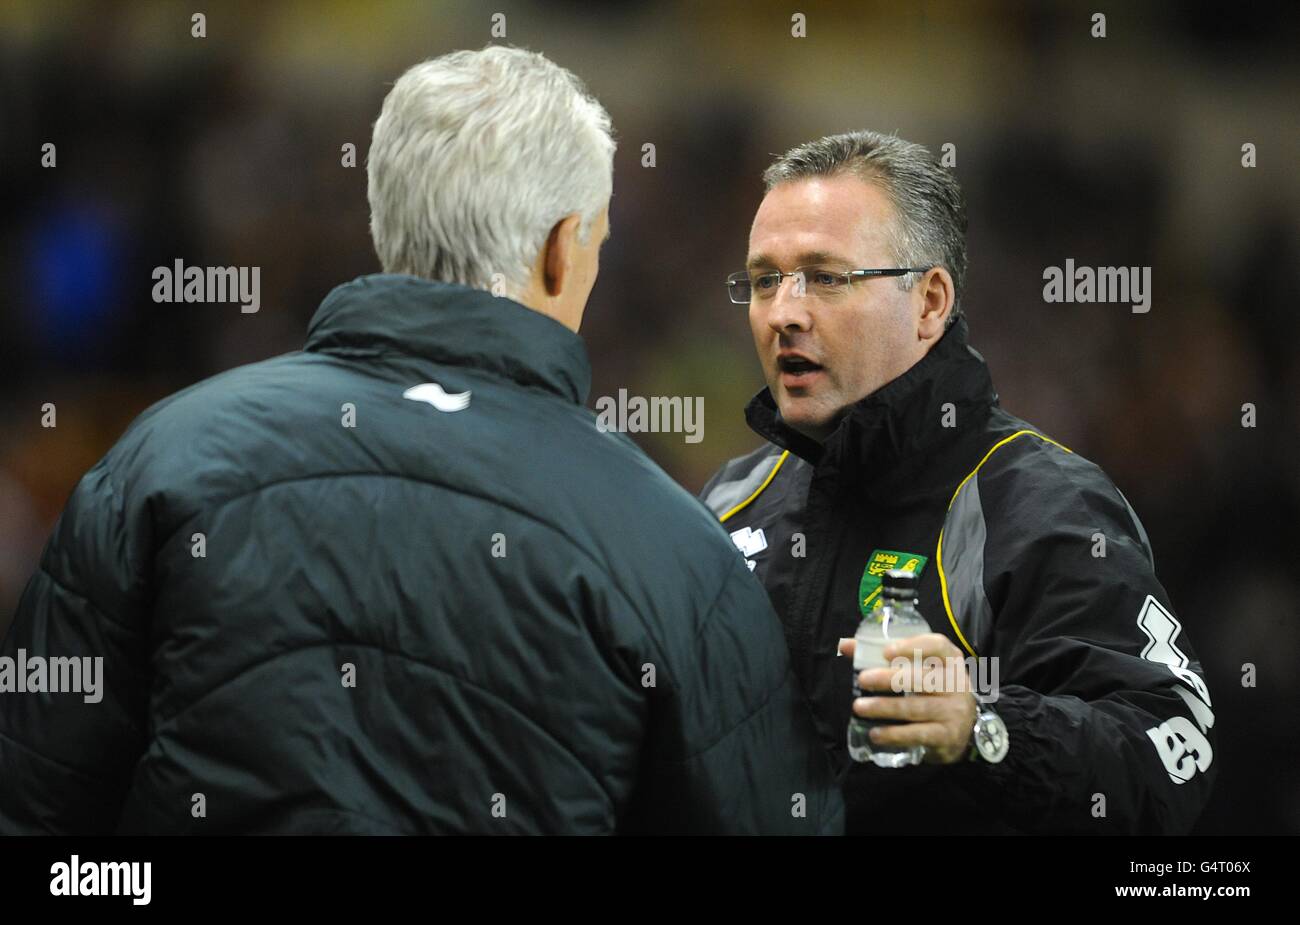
(400, 582)
(1028, 554)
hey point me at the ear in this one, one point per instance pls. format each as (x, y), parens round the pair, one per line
(561, 245)
(937, 295)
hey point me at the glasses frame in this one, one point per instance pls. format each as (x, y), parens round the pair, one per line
(848, 276)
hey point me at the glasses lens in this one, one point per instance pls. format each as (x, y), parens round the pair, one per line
(822, 280)
(764, 283)
(738, 287)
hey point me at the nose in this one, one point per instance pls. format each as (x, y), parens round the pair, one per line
(788, 309)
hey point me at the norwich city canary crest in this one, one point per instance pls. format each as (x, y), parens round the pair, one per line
(881, 561)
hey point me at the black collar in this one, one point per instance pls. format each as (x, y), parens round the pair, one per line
(451, 325)
(898, 423)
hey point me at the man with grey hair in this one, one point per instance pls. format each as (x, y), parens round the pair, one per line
(400, 581)
(1057, 692)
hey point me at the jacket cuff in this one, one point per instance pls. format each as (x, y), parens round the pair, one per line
(1041, 737)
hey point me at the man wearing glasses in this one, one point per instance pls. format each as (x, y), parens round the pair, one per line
(886, 449)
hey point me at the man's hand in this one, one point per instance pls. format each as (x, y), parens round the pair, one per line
(939, 716)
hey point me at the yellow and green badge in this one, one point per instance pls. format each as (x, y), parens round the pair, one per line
(881, 561)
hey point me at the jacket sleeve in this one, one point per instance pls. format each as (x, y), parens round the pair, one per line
(66, 756)
(1110, 720)
(732, 748)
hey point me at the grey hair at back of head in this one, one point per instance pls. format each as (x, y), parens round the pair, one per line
(475, 156)
(929, 227)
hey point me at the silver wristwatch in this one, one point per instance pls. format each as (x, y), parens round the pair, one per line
(990, 741)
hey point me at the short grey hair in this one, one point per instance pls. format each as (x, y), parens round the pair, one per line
(929, 227)
(475, 156)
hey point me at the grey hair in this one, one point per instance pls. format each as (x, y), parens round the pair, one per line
(929, 227)
(475, 156)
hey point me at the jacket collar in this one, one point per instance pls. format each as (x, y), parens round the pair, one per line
(453, 325)
(900, 422)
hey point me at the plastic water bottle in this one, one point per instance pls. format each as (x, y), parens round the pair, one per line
(896, 618)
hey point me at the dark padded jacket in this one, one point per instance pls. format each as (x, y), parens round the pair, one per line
(399, 582)
(1028, 555)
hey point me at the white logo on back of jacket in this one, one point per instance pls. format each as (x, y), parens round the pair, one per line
(435, 395)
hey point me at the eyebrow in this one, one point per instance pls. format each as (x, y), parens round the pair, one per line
(807, 257)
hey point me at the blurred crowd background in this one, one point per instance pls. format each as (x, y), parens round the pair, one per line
(1116, 151)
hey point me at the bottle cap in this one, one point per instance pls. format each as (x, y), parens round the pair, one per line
(899, 585)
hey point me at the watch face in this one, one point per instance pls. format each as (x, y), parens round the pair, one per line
(991, 737)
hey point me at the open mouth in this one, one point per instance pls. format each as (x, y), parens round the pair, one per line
(796, 368)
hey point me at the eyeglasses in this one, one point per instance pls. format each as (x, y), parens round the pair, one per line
(820, 282)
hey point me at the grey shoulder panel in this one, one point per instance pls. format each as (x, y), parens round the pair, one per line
(962, 563)
(739, 479)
